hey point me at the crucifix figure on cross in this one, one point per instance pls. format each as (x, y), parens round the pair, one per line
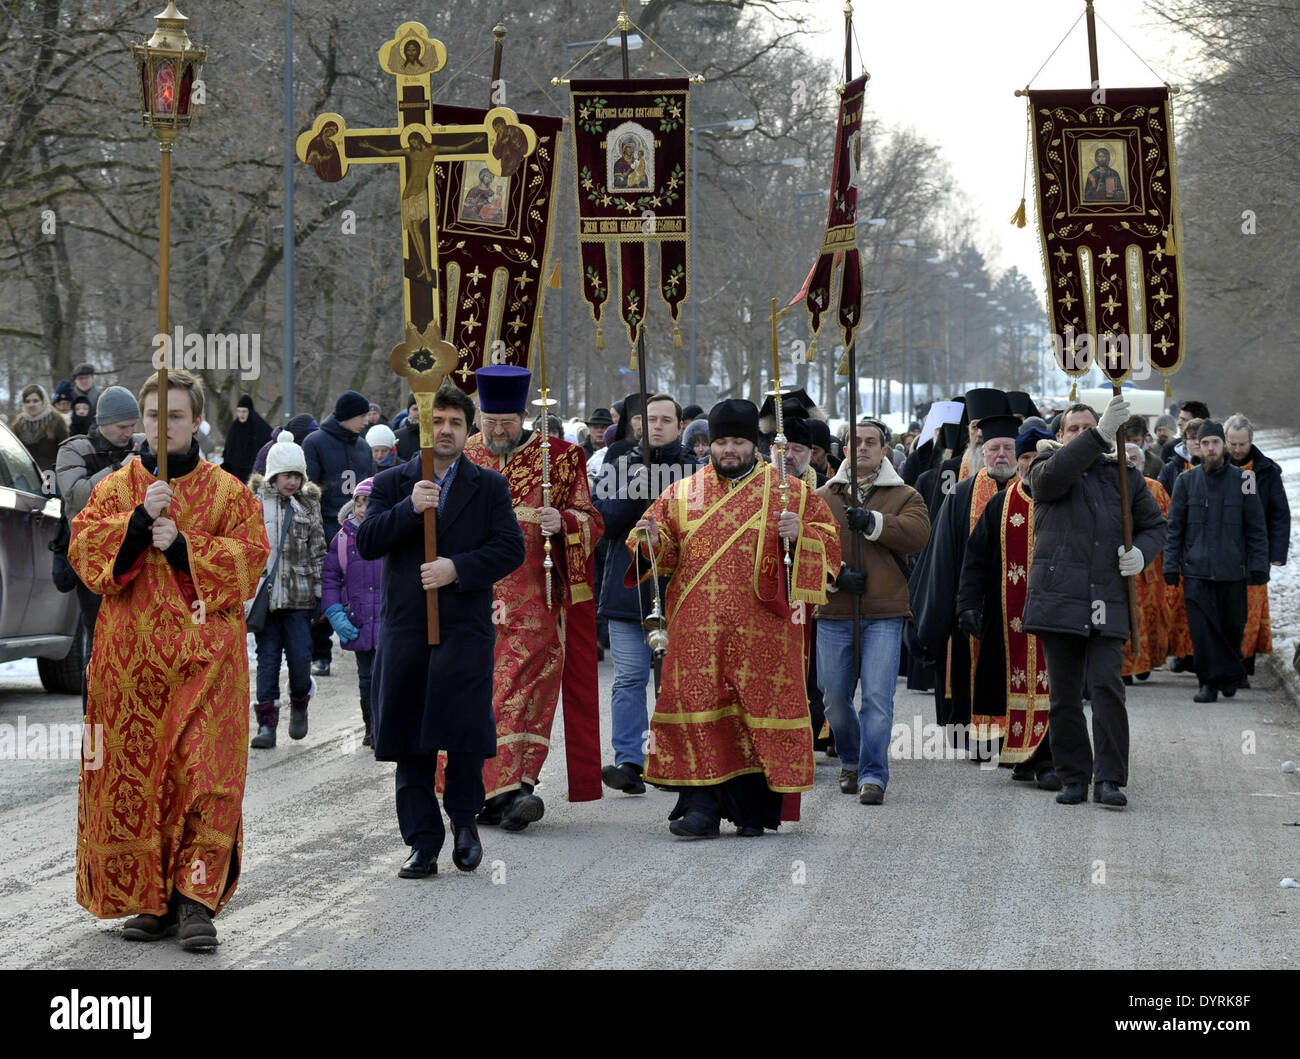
(416, 145)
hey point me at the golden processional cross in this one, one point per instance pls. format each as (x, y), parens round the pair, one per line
(416, 145)
(501, 143)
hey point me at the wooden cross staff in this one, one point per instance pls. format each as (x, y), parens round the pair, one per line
(500, 143)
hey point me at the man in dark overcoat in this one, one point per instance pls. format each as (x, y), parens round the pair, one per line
(439, 698)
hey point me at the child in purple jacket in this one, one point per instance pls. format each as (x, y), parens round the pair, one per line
(350, 594)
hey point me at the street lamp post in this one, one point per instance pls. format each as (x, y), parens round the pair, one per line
(166, 68)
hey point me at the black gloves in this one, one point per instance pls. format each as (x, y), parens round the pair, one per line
(861, 520)
(970, 622)
(851, 581)
(1171, 578)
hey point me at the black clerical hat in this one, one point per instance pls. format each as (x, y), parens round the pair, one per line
(1022, 404)
(733, 418)
(999, 426)
(984, 402)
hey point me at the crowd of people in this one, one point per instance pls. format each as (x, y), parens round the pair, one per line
(987, 560)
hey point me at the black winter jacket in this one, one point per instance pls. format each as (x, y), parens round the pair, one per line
(333, 451)
(620, 512)
(1216, 527)
(1074, 581)
(1272, 494)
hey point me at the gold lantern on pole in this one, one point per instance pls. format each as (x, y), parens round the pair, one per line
(167, 68)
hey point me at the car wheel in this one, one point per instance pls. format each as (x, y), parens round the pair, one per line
(63, 676)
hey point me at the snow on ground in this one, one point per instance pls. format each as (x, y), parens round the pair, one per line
(1284, 581)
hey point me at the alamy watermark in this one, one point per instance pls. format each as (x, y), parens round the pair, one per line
(235, 351)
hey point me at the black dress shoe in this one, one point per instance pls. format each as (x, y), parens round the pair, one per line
(420, 864)
(1244, 683)
(525, 809)
(1073, 793)
(1144, 676)
(468, 850)
(695, 825)
(1206, 694)
(1024, 772)
(749, 832)
(1048, 780)
(625, 777)
(1229, 690)
(1107, 793)
(1128, 681)
(848, 781)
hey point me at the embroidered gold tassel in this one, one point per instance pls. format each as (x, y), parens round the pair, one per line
(1168, 391)
(811, 353)
(677, 336)
(1074, 391)
(554, 281)
(1018, 218)
(844, 364)
(600, 337)
(632, 362)
(1170, 249)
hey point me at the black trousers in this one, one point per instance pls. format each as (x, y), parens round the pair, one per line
(418, 814)
(1216, 618)
(1076, 663)
(816, 701)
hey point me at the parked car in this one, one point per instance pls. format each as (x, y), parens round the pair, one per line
(36, 619)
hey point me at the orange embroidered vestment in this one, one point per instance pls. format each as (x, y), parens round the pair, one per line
(734, 698)
(168, 682)
(529, 654)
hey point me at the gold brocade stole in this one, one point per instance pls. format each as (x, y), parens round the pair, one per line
(984, 490)
(1026, 664)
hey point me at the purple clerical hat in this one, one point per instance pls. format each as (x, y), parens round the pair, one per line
(503, 388)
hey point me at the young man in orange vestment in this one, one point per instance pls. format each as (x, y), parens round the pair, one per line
(160, 825)
(731, 728)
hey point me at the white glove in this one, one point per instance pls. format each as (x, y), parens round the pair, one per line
(1114, 417)
(1130, 562)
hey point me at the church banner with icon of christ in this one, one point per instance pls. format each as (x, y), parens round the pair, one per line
(1108, 217)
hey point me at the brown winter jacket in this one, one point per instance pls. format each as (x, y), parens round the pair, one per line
(906, 529)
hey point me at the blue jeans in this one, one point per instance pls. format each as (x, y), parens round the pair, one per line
(287, 632)
(628, 700)
(861, 739)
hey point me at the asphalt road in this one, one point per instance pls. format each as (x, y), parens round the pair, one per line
(959, 868)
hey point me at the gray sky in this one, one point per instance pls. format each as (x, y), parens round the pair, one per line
(949, 68)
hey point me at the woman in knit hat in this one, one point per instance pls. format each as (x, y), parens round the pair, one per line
(383, 443)
(351, 596)
(291, 512)
(39, 426)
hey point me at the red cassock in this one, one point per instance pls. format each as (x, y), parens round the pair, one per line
(168, 683)
(533, 658)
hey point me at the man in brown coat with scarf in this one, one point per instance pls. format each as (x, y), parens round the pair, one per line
(879, 529)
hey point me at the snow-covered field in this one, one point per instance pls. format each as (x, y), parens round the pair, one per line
(1284, 581)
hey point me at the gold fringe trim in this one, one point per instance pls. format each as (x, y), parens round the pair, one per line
(1019, 218)
(1170, 249)
(554, 281)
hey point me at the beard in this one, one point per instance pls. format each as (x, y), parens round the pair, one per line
(504, 447)
(1003, 474)
(738, 471)
(1211, 463)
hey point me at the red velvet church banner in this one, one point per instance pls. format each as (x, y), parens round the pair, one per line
(1108, 218)
(494, 236)
(630, 147)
